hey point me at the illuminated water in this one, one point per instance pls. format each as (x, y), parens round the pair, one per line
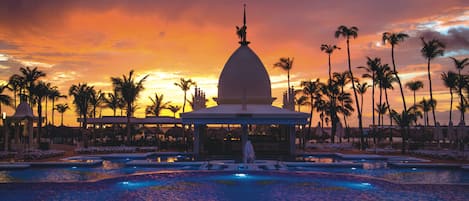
(232, 186)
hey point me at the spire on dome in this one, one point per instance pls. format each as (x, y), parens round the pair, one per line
(241, 31)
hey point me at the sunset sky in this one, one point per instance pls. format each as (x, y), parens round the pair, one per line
(90, 41)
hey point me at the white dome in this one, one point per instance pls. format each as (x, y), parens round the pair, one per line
(244, 80)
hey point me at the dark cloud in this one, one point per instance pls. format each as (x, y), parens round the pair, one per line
(5, 45)
(456, 39)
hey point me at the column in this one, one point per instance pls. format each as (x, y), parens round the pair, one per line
(196, 149)
(291, 132)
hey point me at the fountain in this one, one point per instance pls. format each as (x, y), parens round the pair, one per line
(248, 153)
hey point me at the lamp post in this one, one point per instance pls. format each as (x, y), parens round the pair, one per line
(5, 130)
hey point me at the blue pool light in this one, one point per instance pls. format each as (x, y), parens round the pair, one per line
(353, 168)
(414, 168)
(125, 182)
(127, 159)
(366, 184)
(240, 175)
(135, 167)
(74, 167)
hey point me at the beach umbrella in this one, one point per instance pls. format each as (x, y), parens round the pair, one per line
(437, 134)
(451, 135)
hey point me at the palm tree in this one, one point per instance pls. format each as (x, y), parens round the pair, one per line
(185, 86)
(430, 50)
(414, 86)
(29, 77)
(347, 33)
(460, 64)
(426, 106)
(113, 101)
(372, 68)
(4, 99)
(342, 79)
(394, 39)
(286, 64)
(157, 105)
(128, 90)
(54, 94)
(96, 100)
(361, 89)
(450, 80)
(174, 109)
(404, 120)
(40, 91)
(381, 109)
(329, 49)
(61, 108)
(15, 83)
(302, 100)
(310, 89)
(81, 97)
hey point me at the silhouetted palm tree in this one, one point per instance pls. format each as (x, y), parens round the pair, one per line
(54, 94)
(4, 99)
(96, 100)
(404, 120)
(329, 49)
(302, 100)
(81, 96)
(414, 86)
(342, 79)
(61, 108)
(394, 39)
(460, 64)
(157, 105)
(310, 89)
(113, 101)
(371, 68)
(15, 83)
(361, 89)
(185, 86)
(426, 106)
(286, 64)
(40, 91)
(450, 79)
(174, 109)
(430, 50)
(29, 77)
(128, 89)
(347, 33)
(381, 109)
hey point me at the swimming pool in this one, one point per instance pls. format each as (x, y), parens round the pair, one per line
(216, 185)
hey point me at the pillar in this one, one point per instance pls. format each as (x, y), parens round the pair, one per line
(196, 142)
(291, 132)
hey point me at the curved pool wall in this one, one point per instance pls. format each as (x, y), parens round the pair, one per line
(233, 185)
(97, 167)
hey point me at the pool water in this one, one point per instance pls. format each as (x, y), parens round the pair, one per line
(232, 186)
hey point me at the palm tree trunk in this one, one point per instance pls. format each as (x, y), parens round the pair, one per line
(451, 104)
(62, 119)
(342, 104)
(310, 121)
(414, 97)
(397, 77)
(39, 126)
(360, 123)
(53, 109)
(390, 118)
(288, 90)
(184, 104)
(431, 93)
(380, 115)
(330, 75)
(129, 110)
(461, 97)
(373, 102)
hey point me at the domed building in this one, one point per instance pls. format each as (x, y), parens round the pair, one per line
(244, 102)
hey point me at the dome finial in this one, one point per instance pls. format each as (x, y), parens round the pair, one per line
(241, 31)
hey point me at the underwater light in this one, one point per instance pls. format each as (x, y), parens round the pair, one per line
(366, 184)
(125, 182)
(135, 166)
(74, 167)
(353, 168)
(127, 159)
(414, 168)
(241, 175)
(363, 160)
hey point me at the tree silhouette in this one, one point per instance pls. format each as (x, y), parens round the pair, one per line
(431, 50)
(62, 108)
(329, 49)
(185, 86)
(450, 79)
(286, 64)
(347, 33)
(128, 89)
(414, 86)
(460, 65)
